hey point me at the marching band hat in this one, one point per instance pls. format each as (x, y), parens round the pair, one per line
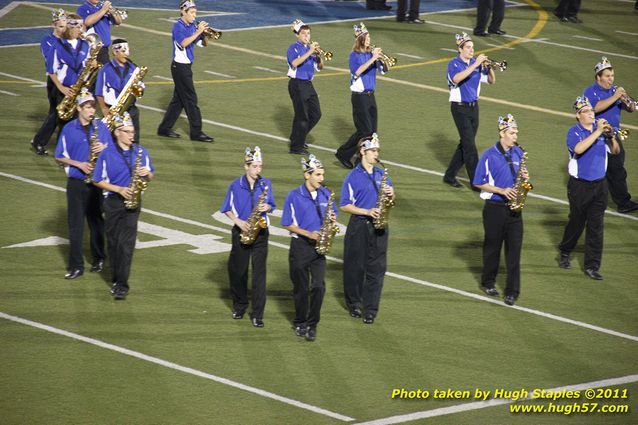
(187, 4)
(461, 39)
(311, 164)
(581, 102)
(506, 122)
(359, 30)
(602, 65)
(123, 120)
(370, 142)
(58, 15)
(84, 96)
(297, 25)
(119, 44)
(252, 155)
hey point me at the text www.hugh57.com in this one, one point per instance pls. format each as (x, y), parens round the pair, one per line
(569, 409)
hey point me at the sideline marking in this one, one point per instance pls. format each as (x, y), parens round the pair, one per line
(389, 274)
(220, 74)
(629, 379)
(159, 77)
(410, 56)
(261, 68)
(587, 38)
(175, 366)
(628, 33)
(17, 77)
(8, 93)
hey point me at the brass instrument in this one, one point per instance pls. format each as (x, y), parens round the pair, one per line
(384, 202)
(328, 228)
(629, 101)
(113, 11)
(66, 108)
(256, 221)
(621, 134)
(388, 61)
(327, 56)
(133, 89)
(501, 65)
(92, 155)
(521, 186)
(138, 184)
(211, 33)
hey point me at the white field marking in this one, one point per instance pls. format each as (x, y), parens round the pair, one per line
(8, 93)
(534, 40)
(629, 379)
(628, 33)
(50, 241)
(17, 77)
(390, 274)
(220, 74)
(626, 1)
(587, 38)
(261, 68)
(25, 28)
(8, 46)
(410, 56)
(500, 46)
(445, 49)
(159, 77)
(177, 367)
(42, 5)
(8, 8)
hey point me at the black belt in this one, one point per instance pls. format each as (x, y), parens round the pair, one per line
(491, 202)
(587, 181)
(470, 104)
(369, 92)
(363, 217)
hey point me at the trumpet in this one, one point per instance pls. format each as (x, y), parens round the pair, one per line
(122, 13)
(621, 134)
(388, 61)
(211, 33)
(628, 100)
(327, 56)
(501, 65)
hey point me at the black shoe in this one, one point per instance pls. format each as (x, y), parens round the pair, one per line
(453, 183)
(401, 19)
(301, 151)
(593, 274)
(74, 274)
(628, 207)
(563, 261)
(169, 133)
(238, 315)
(345, 162)
(415, 21)
(311, 335)
(368, 320)
(574, 20)
(258, 323)
(509, 300)
(356, 313)
(491, 291)
(97, 266)
(481, 33)
(39, 149)
(119, 292)
(301, 331)
(203, 138)
(497, 32)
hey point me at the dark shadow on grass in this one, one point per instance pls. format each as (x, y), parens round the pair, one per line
(442, 147)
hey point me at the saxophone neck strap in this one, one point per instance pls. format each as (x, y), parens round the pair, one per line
(508, 157)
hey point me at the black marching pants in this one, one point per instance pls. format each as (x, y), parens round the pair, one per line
(617, 177)
(466, 118)
(184, 97)
(305, 102)
(121, 232)
(47, 128)
(484, 9)
(402, 6)
(567, 8)
(307, 272)
(364, 114)
(84, 201)
(238, 263)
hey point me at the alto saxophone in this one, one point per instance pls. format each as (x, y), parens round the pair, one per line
(138, 184)
(255, 222)
(92, 155)
(521, 186)
(66, 108)
(328, 228)
(384, 202)
(133, 89)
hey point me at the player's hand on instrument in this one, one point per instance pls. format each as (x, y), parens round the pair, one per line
(509, 192)
(314, 235)
(126, 192)
(143, 171)
(374, 212)
(313, 47)
(86, 167)
(243, 225)
(264, 207)
(480, 59)
(67, 91)
(389, 190)
(201, 26)
(376, 53)
(107, 6)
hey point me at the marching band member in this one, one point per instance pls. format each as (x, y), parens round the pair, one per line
(185, 35)
(303, 60)
(98, 18)
(48, 42)
(304, 210)
(83, 199)
(587, 191)
(495, 176)
(242, 200)
(465, 75)
(112, 78)
(364, 63)
(365, 248)
(605, 97)
(113, 172)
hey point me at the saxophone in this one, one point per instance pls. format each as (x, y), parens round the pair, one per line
(384, 202)
(138, 184)
(521, 185)
(328, 229)
(66, 108)
(133, 89)
(255, 222)
(92, 155)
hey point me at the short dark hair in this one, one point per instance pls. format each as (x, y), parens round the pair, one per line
(118, 41)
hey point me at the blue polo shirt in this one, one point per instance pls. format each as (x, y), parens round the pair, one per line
(360, 188)
(182, 30)
(469, 89)
(111, 79)
(494, 169)
(305, 71)
(595, 94)
(74, 141)
(300, 209)
(367, 81)
(46, 45)
(101, 27)
(592, 164)
(238, 197)
(115, 165)
(66, 61)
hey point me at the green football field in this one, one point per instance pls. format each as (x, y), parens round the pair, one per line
(171, 353)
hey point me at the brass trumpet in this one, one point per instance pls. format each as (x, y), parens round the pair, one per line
(388, 61)
(501, 65)
(122, 13)
(628, 100)
(211, 33)
(327, 56)
(620, 133)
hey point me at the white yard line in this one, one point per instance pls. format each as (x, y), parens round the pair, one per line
(8, 8)
(24, 28)
(19, 45)
(587, 38)
(8, 93)
(500, 46)
(261, 68)
(159, 77)
(177, 367)
(410, 56)
(17, 77)
(627, 33)
(220, 74)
